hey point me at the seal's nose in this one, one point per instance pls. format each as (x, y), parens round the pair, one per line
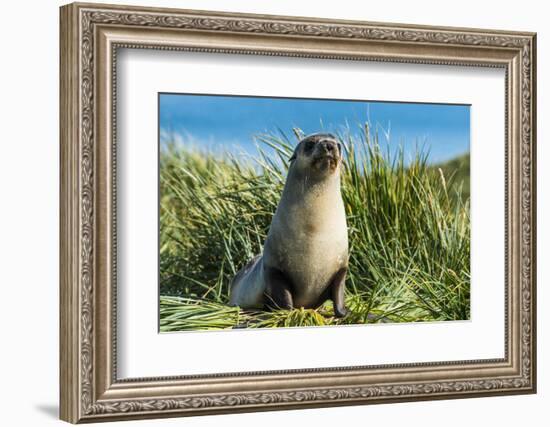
(329, 146)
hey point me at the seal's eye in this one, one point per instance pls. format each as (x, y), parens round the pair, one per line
(309, 146)
(340, 148)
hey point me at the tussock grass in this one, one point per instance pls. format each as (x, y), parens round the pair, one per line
(409, 233)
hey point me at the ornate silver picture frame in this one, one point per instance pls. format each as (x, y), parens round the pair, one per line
(91, 36)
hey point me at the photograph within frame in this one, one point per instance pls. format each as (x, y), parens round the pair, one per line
(220, 153)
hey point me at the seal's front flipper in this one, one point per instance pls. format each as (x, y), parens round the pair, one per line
(338, 285)
(278, 294)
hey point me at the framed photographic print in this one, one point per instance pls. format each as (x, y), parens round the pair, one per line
(266, 212)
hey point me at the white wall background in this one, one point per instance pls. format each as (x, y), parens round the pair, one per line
(29, 171)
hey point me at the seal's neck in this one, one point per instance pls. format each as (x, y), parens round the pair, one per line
(311, 189)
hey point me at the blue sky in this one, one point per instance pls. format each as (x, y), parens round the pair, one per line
(230, 122)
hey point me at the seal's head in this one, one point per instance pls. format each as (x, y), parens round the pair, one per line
(319, 153)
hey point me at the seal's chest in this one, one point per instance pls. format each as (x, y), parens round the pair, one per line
(308, 243)
(312, 260)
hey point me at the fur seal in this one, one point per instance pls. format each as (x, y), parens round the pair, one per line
(305, 255)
